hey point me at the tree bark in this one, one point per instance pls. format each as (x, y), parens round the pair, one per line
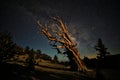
(75, 61)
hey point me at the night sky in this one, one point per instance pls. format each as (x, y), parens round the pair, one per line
(87, 21)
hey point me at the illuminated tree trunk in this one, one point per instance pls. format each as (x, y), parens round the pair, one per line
(58, 35)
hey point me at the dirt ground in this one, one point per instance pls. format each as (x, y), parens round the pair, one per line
(43, 71)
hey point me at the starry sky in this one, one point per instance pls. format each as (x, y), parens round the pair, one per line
(87, 21)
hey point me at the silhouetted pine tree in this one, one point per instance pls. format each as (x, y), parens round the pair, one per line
(102, 50)
(27, 50)
(30, 60)
(55, 59)
(7, 46)
(38, 54)
(102, 53)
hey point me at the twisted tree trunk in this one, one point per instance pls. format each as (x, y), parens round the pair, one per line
(58, 35)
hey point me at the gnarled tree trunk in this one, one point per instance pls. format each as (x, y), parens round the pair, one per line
(58, 35)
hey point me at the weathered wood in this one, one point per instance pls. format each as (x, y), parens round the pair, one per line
(58, 32)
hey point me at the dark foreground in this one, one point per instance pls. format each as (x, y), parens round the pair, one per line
(19, 72)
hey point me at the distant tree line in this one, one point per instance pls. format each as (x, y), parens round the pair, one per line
(8, 49)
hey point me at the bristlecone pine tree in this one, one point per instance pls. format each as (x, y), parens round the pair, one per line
(59, 38)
